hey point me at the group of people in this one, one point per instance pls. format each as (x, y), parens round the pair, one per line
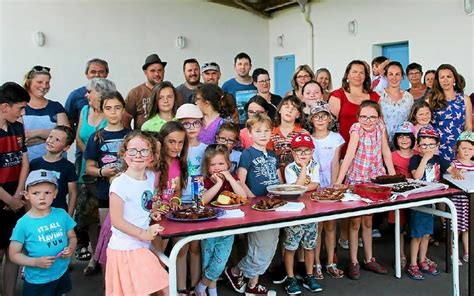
(136, 159)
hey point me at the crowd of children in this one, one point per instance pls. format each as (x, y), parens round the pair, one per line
(126, 174)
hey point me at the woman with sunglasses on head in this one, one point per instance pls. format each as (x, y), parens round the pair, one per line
(302, 75)
(41, 114)
(323, 77)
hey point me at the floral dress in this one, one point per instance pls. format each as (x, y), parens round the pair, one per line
(395, 113)
(368, 161)
(449, 123)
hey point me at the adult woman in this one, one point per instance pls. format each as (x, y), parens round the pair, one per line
(261, 80)
(429, 78)
(344, 102)
(90, 120)
(41, 114)
(418, 90)
(452, 111)
(302, 75)
(254, 106)
(395, 102)
(323, 77)
(163, 106)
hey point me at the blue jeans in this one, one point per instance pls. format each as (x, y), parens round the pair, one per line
(215, 253)
(261, 249)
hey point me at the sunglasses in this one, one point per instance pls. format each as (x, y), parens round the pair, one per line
(40, 69)
(209, 64)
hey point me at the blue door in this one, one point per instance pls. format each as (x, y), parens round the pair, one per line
(398, 52)
(284, 68)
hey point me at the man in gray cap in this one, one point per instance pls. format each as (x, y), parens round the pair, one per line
(211, 73)
(138, 102)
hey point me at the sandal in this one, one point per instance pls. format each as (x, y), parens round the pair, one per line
(91, 268)
(333, 271)
(83, 254)
(318, 272)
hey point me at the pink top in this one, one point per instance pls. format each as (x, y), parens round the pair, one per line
(367, 162)
(400, 164)
(461, 166)
(245, 140)
(174, 174)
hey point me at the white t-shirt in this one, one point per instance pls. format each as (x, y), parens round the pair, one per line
(234, 160)
(195, 156)
(136, 195)
(292, 172)
(324, 154)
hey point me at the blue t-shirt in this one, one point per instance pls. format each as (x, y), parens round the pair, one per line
(44, 236)
(65, 172)
(242, 94)
(262, 169)
(43, 118)
(75, 102)
(195, 156)
(435, 168)
(104, 151)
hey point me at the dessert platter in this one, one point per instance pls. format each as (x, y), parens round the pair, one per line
(415, 186)
(389, 179)
(286, 191)
(229, 199)
(269, 204)
(372, 191)
(192, 214)
(328, 194)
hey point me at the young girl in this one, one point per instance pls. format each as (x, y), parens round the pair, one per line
(327, 154)
(289, 121)
(420, 115)
(312, 93)
(366, 154)
(228, 134)
(215, 251)
(463, 163)
(128, 250)
(163, 106)
(215, 106)
(403, 142)
(102, 162)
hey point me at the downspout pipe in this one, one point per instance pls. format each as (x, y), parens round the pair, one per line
(306, 14)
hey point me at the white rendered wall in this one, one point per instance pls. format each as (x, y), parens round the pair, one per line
(438, 31)
(123, 33)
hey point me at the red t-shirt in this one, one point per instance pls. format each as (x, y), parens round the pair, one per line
(401, 164)
(225, 186)
(348, 114)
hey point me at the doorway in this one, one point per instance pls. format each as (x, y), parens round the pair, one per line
(284, 68)
(398, 52)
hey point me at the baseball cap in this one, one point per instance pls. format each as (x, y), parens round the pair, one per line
(210, 66)
(427, 132)
(466, 136)
(189, 111)
(302, 140)
(153, 59)
(41, 176)
(320, 106)
(405, 128)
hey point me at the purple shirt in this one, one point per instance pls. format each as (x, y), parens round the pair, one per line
(208, 134)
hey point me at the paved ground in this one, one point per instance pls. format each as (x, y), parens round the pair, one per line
(369, 284)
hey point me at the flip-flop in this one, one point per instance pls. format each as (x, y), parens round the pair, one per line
(90, 269)
(83, 254)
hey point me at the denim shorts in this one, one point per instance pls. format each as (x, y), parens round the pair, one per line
(57, 287)
(420, 224)
(301, 234)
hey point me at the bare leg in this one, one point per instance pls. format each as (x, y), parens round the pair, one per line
(344, 225)
(414, 248)
(181, 267)
(289, 262)
(424, 247)
(465, 242)
(402, 245)
(253, 281)
(308, 261)
(195, 262)
(367, 237)
(354, 238)
(10, 275)
(330, 240)
(317, 250)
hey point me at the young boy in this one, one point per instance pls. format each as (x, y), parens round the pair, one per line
(228, 134)
(426, 166)
(302, 171)
(59, 140)
(379, 81)
(258, 169)
(46, 235)
(13, 172)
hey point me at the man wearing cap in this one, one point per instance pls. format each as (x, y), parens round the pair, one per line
(138, 101)
(192, 77)
(211, 73)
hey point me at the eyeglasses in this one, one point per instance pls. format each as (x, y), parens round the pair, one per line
(425, 146)
(135, 151)
(253, 113)
(414, 73)
(222, 140)
(321, 117)
(264, 81)
(302, 152)
(303, 76)
(193, 124)
(364, 118)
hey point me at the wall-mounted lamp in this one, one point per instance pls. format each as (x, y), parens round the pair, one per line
(352, 27)
(181, 42)
(280, 40)
(38, 38)
(468, 7)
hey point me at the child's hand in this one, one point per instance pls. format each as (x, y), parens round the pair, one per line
(67, 252)
(44, 262)
(227, 175)
(15, 203)
(152, 232)
(299, 162)
(217, 178)
(457, 174)
(174, 205)
(109, 171)
(427, 155)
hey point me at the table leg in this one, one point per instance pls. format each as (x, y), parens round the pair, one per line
(449, 242)
(471, 245)
(398, 271)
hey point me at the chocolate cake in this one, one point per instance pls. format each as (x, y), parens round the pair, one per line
(193, 213)
(389, 179)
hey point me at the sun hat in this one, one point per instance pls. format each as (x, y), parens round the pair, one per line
(405, 128)
(189, 111)
(466, 136)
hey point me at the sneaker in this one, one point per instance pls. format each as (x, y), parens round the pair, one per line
(311, 284)
(278, 275)
(428, 268)
(237, 281)
(376, 233)
(354, 271)
(465, 257)
(333, 271)
(292, 287)
(318, 272)
(343, 243)
(300, 270)
(374, 266)
(258, 290)
(414, 273)
(361, 243)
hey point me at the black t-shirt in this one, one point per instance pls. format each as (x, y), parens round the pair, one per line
(435, 168)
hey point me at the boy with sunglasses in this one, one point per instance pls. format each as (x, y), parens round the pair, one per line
(426, 166)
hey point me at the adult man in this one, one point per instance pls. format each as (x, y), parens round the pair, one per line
(261, 80)
(241, 86)
(211, 73)
(192, 77)
(138, 102)
(95, 68)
